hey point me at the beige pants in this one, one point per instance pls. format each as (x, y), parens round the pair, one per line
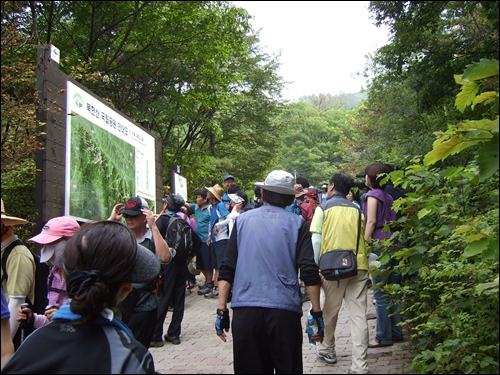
(354, 292)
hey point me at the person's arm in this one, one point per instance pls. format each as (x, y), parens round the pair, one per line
(162, 249)
(309, 271)
(314, 293)
(371, 219)
(316, 241)
(117, 212)
(316, 232)
(309, 274)
(224, 288)
(14, 304)
(7, 344)
(228, 266)
(226, 278)
(220, 224)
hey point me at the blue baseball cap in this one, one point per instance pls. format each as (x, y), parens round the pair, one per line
(228, 176)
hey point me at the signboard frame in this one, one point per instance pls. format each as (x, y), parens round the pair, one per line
(52, 113)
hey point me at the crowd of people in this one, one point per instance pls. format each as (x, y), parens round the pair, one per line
(113, 282)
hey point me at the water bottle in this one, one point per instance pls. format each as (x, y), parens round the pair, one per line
(310, 329)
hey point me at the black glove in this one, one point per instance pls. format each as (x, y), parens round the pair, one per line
(222, 321)
(318, 317)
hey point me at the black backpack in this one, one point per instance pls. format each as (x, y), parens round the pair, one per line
(41, 274)
(180, 236)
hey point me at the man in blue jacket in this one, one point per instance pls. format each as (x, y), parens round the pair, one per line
(228, 182)
(266, 249)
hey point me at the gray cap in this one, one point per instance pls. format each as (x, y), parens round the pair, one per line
(146, 268)
(280, 182)
(174, 202)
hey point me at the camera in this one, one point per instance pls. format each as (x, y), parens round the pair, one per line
(360, 184)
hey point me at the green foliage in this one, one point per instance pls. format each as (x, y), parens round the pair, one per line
(343, 101)
(450, 261)
(451, 252)
(19, 125)
(192, 72)
(314, 140)
(471, 133)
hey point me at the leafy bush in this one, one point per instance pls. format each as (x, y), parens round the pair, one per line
(450, 259)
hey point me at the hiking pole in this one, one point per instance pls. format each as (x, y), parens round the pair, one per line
(24, 324)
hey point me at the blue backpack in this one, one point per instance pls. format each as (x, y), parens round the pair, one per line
(295, 207)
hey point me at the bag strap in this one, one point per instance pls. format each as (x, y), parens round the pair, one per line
(6, 254)
(359, 232)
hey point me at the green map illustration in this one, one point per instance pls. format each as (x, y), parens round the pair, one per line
(102, 170)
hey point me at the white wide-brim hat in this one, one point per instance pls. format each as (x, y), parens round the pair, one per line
(280, 182)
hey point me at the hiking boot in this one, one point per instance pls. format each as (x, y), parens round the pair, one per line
(156, 344)
(329, 358)
(207, 288)
(213, 294)
(173, 339)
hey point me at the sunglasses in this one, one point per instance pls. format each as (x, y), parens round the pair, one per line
(125, 216)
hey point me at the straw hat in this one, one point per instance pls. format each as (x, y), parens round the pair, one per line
(299, 190)
(217, 191)
(11, 220)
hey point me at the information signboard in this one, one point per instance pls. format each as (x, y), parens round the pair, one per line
(108, 158)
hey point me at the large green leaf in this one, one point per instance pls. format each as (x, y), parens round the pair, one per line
(483, 69)
(442, 148)
(484, 96)
(476, 247)
(487, 158)
(482, 287)
(483, 124)
(466, 96)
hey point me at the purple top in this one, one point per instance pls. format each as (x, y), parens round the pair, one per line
(384, 212)
(57, 295)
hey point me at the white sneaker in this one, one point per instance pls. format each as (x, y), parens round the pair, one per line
(329, 358)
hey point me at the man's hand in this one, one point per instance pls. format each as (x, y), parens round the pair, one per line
(222, 323)
(25, 316)
(49, 313)
(318, 317)
(117, 212)
(24, 313)
(150, 218)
